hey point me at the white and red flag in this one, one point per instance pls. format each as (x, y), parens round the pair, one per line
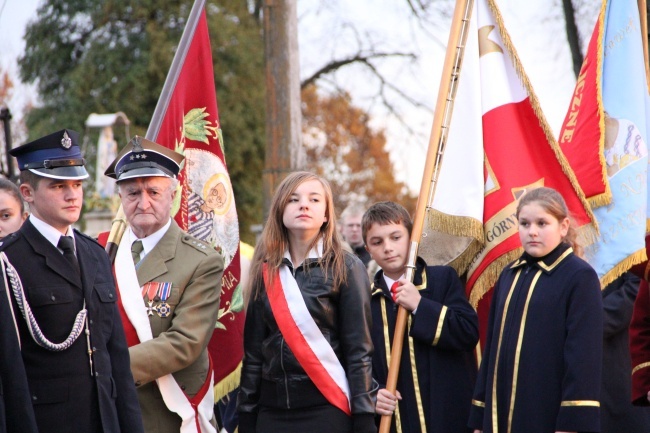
(499, 146)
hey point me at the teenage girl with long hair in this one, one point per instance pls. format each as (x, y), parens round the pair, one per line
(307, 345)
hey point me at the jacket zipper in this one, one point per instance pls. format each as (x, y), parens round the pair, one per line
(286, 379)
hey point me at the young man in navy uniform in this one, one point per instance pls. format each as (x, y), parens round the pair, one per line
(64, 299)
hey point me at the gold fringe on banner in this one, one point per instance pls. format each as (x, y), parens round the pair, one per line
(566, 168)
(586, 235)
(462, 262)
(450, 240)
(490, 275)
(455, 225)
(606, 197)
(228, 384)
(623, 266)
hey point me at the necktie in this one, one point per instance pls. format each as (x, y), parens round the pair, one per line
(136, 249)
(393, 290)
(66, 244)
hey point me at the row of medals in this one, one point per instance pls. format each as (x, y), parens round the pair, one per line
(162, 308)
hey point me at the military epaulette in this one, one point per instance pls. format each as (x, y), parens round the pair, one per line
(78, 233)
(8, 240)
(197, 244)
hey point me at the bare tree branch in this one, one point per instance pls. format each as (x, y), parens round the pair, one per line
(357, 58)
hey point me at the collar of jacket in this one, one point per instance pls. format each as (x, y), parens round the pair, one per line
(547, 263)
(419, 279)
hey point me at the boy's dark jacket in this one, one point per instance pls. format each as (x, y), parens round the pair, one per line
(442, 336)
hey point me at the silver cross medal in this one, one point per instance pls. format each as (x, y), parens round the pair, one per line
(150, 308)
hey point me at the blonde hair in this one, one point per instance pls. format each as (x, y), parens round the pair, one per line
(553, 203)
(274, 240)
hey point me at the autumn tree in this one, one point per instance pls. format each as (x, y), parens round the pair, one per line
(101, 57)
(341, 145)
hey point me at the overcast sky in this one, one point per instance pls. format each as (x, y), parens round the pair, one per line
(325, 31)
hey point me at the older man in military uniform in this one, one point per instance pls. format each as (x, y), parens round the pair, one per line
(169, 285)
(73, 344)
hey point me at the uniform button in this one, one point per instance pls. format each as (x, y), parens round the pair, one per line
(91, 321)
(96, 374)
(183, 387)
(34, 398)
(53, 298)
(110, 295)
(94, 349)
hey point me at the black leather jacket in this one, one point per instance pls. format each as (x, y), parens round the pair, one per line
(271, 375)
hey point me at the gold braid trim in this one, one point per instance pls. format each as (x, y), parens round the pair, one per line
(640, 366)
(580, 403)
(566, 168)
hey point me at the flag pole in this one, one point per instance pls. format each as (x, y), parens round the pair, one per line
(439, 132)
(119, 224)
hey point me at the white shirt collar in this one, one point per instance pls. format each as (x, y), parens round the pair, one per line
(49, 232)
(149, 242)
(314, 253)
(390, 281)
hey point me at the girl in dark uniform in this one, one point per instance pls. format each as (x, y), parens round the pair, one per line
(541, 368)
(307, 345)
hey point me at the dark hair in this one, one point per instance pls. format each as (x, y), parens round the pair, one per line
(553, 203)
(383, 213)
(30, 178)
(12, 189)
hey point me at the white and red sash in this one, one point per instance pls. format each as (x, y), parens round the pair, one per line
(306, 341)
(196, 412)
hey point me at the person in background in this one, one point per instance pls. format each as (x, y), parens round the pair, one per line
(640, 335)
(64, 300)
(306, 293)
(541, 367)
(351, 231)
(437, 370)
(617, 414)
(12, 208)
(169, 284)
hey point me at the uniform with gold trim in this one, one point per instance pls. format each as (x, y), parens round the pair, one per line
(437, 370)
(541, 367)
(67, 392)
(181, 321)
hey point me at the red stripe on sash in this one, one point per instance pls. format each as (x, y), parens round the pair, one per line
(299, 346)
(196, 400)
